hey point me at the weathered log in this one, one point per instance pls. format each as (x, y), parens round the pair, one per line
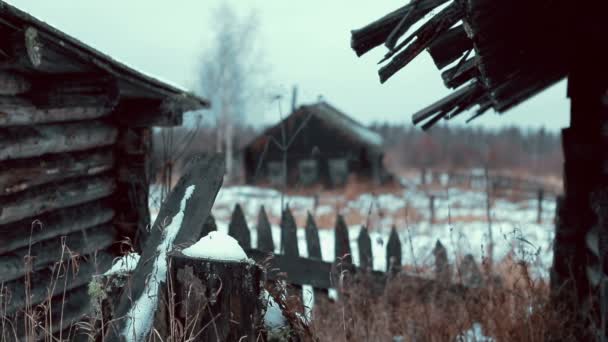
(342, 243)
(265, 241)
(393, 252)
(13, 266)
(238, 229)
(178, 224)
(366, 258)
(17, 111)
(55, 196)
(13, 83)
(143, 112)
(54, 224)
(225, 294)
(53, 281)
(313, 243)
(425, 35)
(33, 141)
(448, 47)
(289, 234)
(376, 33)
(23, 174)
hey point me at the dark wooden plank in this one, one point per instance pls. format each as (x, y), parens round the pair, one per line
(201, 181)
(393, 252)
(342, 242)
(365, 250)
(12, 83)
(442, 265)
(289, 234)
(265, 242)
(47, 252)
(22, 174)
(424, 36)
(209, 226)
(313, 243)
(54, 281)
(33, 141)
(238, 228)
(54, 196)
(450, 46)
(145, 112)
(443, 105)
(53, 224)
(460, 74)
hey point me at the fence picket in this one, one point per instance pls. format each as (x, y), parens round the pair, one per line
(238, 228)
(342, 242)
(265, 242)
(393, 252)
(365, 249)
(313, 243)
(442, 266)
(209, 226)
(289, 234)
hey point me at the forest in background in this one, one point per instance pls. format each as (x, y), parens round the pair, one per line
(534, 152)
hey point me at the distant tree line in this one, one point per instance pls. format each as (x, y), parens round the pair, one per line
(535, 151)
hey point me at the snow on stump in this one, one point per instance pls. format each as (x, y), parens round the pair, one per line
(218, 290)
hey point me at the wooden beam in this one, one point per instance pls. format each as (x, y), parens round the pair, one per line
(12, 83)
(34, 141)
(460, 74)
(143, 112)
(450, 46)
(51, 251)
(444, 105)
(55, 196)
(23, 174)
(53, 281)
(53, 224)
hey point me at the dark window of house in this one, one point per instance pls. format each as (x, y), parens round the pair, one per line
(275, 173)
(308, 170)
(338, 171)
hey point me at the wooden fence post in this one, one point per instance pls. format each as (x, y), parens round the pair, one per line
(289, 234)
(431, 209)
(238, 229)
(469, 272)
(539, 212)
(442, 266)
(178, 223)
(342, 242)
(313, 243)
(217, 300)
(365, 250)
(393, 252)
(265, 242)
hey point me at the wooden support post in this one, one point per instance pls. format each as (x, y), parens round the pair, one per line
(365, 250)
(178, 224)
(313, 243)
(342, 243)
(393, 252)
(289, 234)
(539, 209)
(265, 241)
(218, 300)
(238, 229)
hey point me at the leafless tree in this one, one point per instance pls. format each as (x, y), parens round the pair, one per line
(230, 75)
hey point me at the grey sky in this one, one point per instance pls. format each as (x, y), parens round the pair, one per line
(305, 43)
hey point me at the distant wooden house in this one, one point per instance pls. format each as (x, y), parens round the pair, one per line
(75, 134)
(325, 147)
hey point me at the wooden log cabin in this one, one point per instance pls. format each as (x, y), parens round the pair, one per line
(496, 54)
(319, 144)
(75, 137)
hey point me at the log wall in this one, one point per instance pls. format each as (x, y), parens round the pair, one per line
(73, 184)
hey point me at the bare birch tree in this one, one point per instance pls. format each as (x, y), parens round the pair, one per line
(230, 75)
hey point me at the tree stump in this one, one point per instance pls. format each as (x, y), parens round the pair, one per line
(218, 300)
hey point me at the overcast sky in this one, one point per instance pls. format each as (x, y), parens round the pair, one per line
(305, 42)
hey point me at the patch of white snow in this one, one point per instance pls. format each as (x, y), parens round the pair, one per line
(216, 246)
(124, 264)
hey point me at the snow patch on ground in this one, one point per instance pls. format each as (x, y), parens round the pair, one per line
(216, 246)
(273, 319)
(141, 315)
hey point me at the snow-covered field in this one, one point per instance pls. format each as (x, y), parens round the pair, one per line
(460, 215)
